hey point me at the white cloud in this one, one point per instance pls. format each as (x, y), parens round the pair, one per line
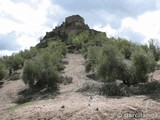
(6, 52)
(30, 19)
(28, 23)
(146, 24)
(27, 40)
(108, 29)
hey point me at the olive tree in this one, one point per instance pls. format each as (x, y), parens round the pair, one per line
(92, 58)
(155, 49)
(110, 64)
(143, 63)
(2, 70)
(41, 72)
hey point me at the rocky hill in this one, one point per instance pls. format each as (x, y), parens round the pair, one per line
(73, 24)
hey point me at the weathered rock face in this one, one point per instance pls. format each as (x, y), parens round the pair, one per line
(74, 23)
(74, 18)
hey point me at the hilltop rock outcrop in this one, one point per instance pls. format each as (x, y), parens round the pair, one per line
(74, 23)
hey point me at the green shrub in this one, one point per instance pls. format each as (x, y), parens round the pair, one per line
(110, 64)
(155, 49)
(78, 40)
(129, 75)
(53, 58)
(125, 47)
(29, 73)
(150, 62)
(149, 87)
(2, 71)
(28, 54)
(41, 72)
(110, 89)
(142, 64)
(58, 47)
(15, 61)
(145, 47)
(125, 90)
(92, 58)
(135, 90)
(145, 88)
(52, 77)
(89, 87)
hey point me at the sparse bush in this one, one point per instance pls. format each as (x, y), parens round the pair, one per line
(29, 73)
(78, 40)
(2, 71)
(89, 87)
(52, 78)
(14, 62)
(17, 62)
(92, 58)
(28, 54)
(53, 58)
(98, 39)
(110, 89)
(107, 61)
(58, 47)
(155, 49)
(134, 90)
(142, 64)
(41, 72)
(125, 90)
(110, 64)
(125, 47)
(151, 62)
(145, 88)
(145, 47)
(149, 88)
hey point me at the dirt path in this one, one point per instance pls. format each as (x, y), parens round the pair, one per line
(74, 69)
(72, 105)
(9, 93)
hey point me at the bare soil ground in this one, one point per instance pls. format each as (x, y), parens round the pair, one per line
(72, 105)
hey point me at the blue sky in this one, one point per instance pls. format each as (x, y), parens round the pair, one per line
(23, 22)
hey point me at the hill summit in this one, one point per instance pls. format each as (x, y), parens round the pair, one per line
(73, 24)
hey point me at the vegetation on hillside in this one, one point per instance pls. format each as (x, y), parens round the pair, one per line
(120, 59)
(41, 66)
(109, 59)
(2, 70)
(43, 69)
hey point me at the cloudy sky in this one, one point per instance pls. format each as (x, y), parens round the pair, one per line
(23, 22)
